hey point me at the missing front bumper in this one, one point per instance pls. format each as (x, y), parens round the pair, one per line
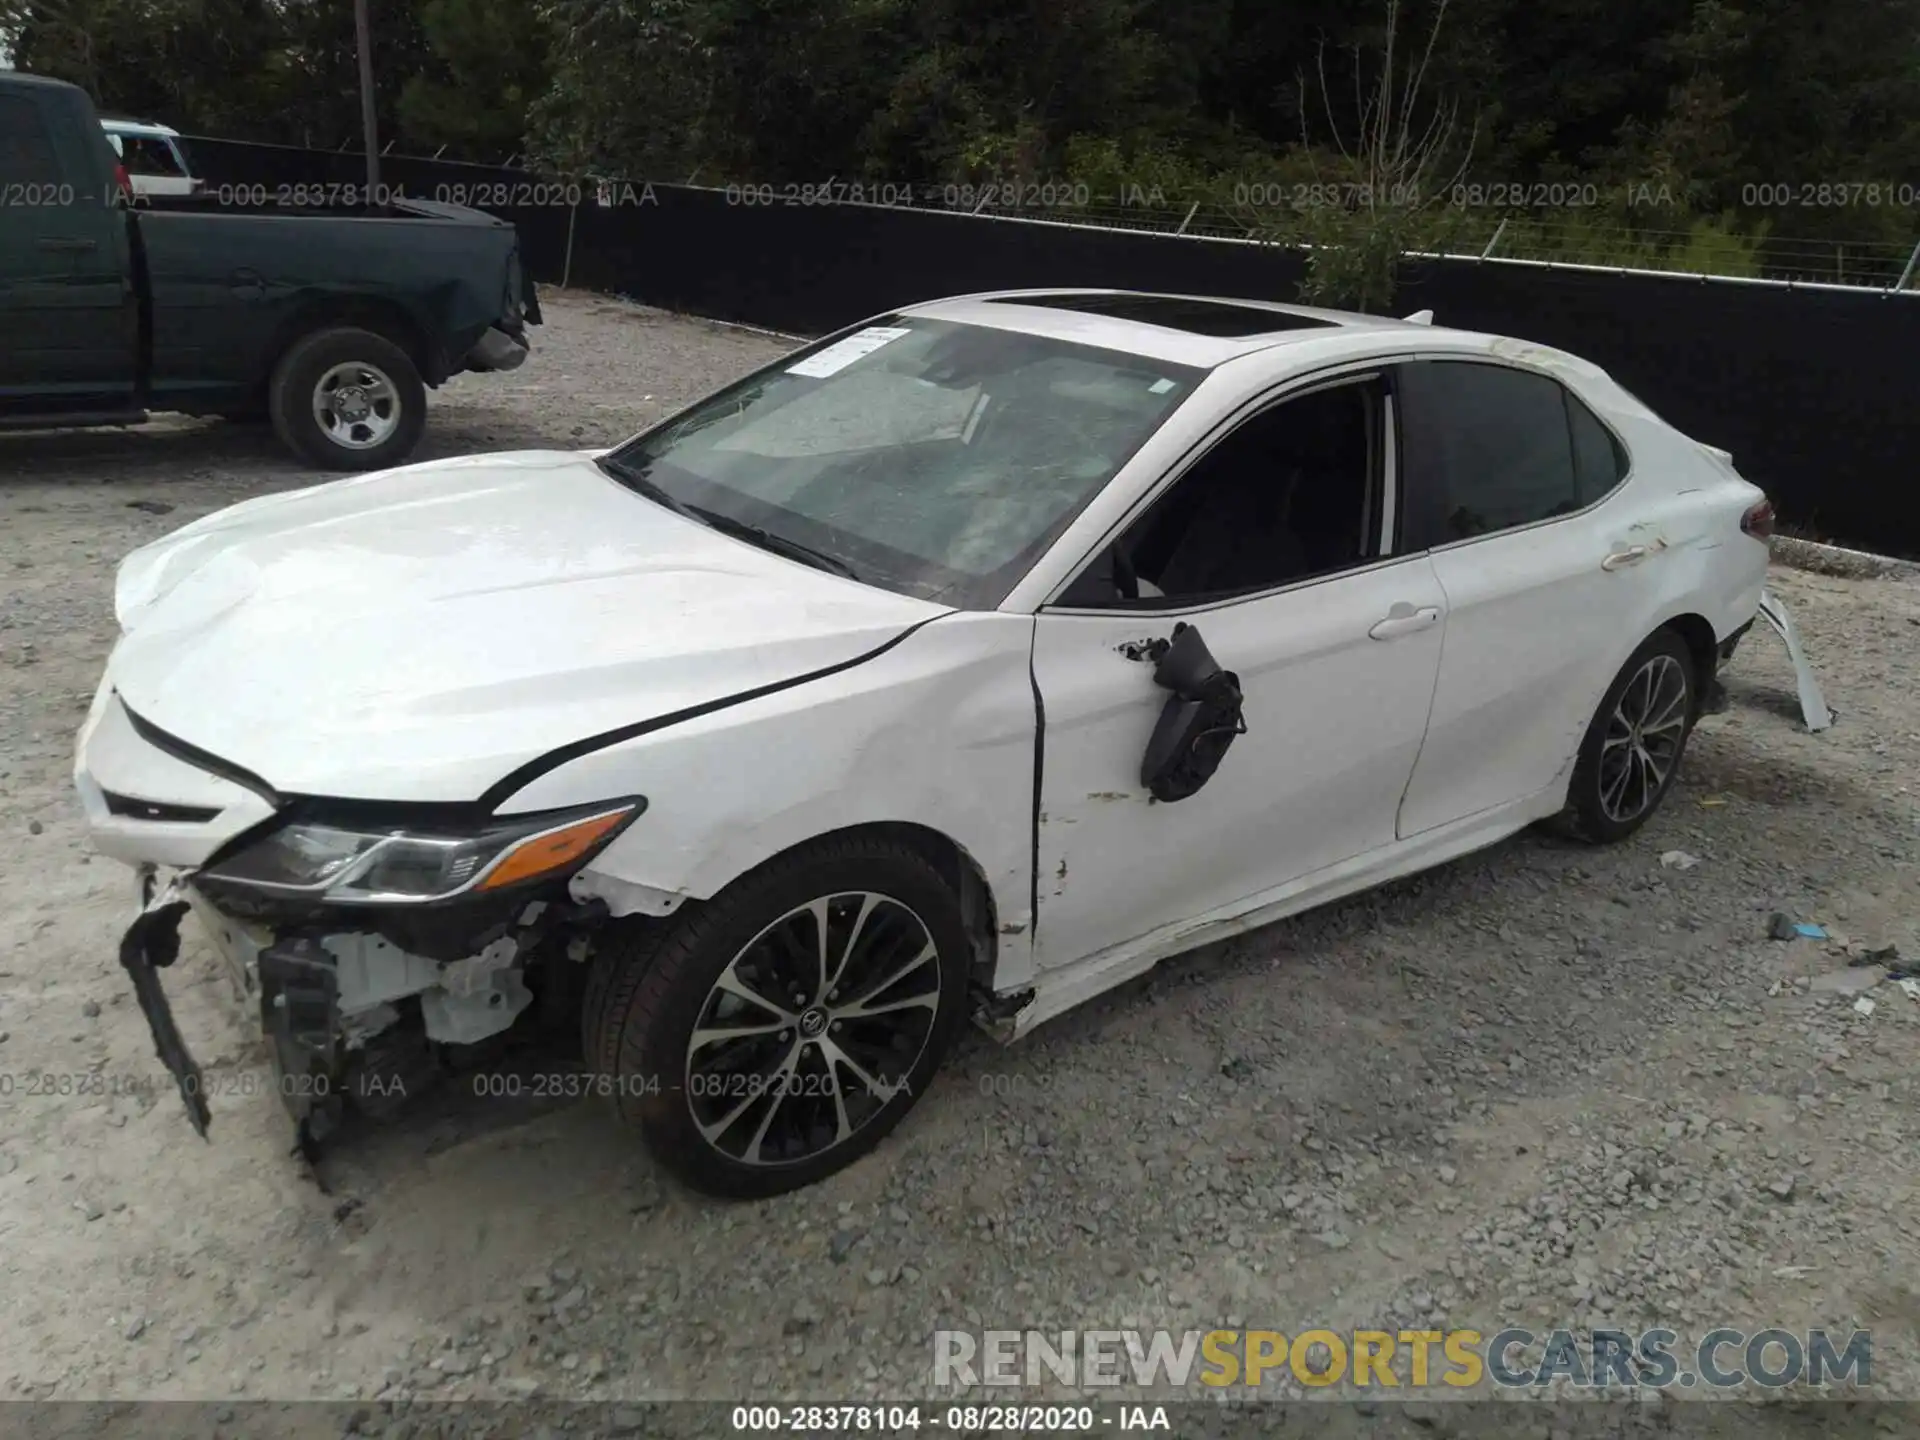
(151, 944)
(351, 1019)
(298, 1011)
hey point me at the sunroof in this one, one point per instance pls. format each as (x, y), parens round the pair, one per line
(1197, 317)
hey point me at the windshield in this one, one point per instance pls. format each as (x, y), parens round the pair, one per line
(925, 456)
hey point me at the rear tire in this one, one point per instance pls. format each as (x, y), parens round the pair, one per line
(347, 399)
(1634, 744)
(810, 1052)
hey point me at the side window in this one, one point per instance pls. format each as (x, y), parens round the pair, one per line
(1485, 448)
(1599, 462)
(26, 150)
(1287, 495)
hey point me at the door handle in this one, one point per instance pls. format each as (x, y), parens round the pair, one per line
(1620, 559)
(66, 243)
(1403, 619)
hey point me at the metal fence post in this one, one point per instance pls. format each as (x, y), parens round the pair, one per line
(566, 267)
(1499, 230)
(1193, 211)
(1907, 274)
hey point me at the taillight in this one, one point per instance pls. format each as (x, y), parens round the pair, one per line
(1758, 521)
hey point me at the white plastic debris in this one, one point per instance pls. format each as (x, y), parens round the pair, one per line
(1863, 1006)
(1911, 988)
(1813, 705)
(1678, 860)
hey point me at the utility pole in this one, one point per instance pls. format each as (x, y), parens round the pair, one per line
(363, 41)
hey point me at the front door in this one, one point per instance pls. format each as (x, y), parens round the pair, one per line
(1271, 546)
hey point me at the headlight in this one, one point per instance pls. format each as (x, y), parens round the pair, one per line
(400, 866)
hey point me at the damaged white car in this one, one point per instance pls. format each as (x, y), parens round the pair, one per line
(967, 662)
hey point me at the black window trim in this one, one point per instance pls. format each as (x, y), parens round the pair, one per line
(1502, 362)
(1386, 479)
(1287, 321)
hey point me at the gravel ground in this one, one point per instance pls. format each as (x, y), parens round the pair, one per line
(1543, 1085)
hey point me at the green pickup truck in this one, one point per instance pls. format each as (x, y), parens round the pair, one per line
(330, 323)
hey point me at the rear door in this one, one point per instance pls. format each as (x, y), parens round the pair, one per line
(1513, 484)
(66, 307)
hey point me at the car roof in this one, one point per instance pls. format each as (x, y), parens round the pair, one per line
(1198, 330)
(127, 125)
(27, 80)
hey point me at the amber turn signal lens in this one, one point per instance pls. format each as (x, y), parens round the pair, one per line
(552, 850)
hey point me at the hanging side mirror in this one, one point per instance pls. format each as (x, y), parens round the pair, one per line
(1200, 720)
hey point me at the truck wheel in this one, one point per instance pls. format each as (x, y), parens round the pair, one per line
(347, 399)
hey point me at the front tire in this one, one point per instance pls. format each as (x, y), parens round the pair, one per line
(347, 399)
(774, 1035)
(1633, 747)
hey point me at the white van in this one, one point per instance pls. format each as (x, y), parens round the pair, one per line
(155, 160)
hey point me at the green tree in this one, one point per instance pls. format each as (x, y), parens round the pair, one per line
(1384, 186)
(488, 65)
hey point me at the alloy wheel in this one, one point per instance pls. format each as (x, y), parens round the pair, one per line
(356, 405)
(1643, 740)
(812, 1028)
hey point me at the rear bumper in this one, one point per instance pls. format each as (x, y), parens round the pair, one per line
(497, 350)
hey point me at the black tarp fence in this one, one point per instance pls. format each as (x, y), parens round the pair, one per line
(1814, 390)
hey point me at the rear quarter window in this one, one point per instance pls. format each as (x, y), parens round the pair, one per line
(1599, 459)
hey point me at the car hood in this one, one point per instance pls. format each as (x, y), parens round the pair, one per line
(419, 633)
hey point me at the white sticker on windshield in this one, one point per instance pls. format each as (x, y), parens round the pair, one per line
(842, 353)
(1160, 386)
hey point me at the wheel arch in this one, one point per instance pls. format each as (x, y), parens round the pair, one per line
(1695, 632)
(968, 878)
(386, 318)
(962, 872)
(1703, 645)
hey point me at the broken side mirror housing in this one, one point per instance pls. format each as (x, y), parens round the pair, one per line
(1199, 722)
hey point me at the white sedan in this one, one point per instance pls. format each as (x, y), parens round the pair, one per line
(967, 662)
